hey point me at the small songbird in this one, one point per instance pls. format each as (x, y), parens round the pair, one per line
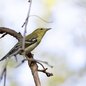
(31, 42)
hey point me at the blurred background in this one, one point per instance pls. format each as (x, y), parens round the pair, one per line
(63, 47)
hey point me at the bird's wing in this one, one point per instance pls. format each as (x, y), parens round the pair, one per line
(30, 41)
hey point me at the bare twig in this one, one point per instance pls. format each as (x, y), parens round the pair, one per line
(47, 73)
(39, 61)
(25, 24)
(2, 74)
(41, 18)
(5, 75)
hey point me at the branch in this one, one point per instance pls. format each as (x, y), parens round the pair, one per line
(18, 36)
(41, 18)
(47, 73)
(29, 57)
(26, 23)
(32, 64)
(5, 31)
(44, 70)
(5, 75)
(34, 69)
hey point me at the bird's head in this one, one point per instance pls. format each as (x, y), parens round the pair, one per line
(41, 31)
(38, 33)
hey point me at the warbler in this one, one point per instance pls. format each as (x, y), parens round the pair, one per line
(31, 42)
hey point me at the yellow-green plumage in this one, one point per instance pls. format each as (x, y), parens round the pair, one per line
(31, 41)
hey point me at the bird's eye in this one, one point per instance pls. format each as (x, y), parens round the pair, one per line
(41, 29)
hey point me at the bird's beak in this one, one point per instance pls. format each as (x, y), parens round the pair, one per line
(48, 29)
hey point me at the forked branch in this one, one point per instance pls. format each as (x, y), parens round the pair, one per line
(31, 62)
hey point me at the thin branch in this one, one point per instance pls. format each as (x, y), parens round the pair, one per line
(39, 61)
(41, 18)
(2, 74)
(5, 75)
(25, 24)
(47, 73)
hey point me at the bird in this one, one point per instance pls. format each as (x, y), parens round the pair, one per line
(31, 42)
